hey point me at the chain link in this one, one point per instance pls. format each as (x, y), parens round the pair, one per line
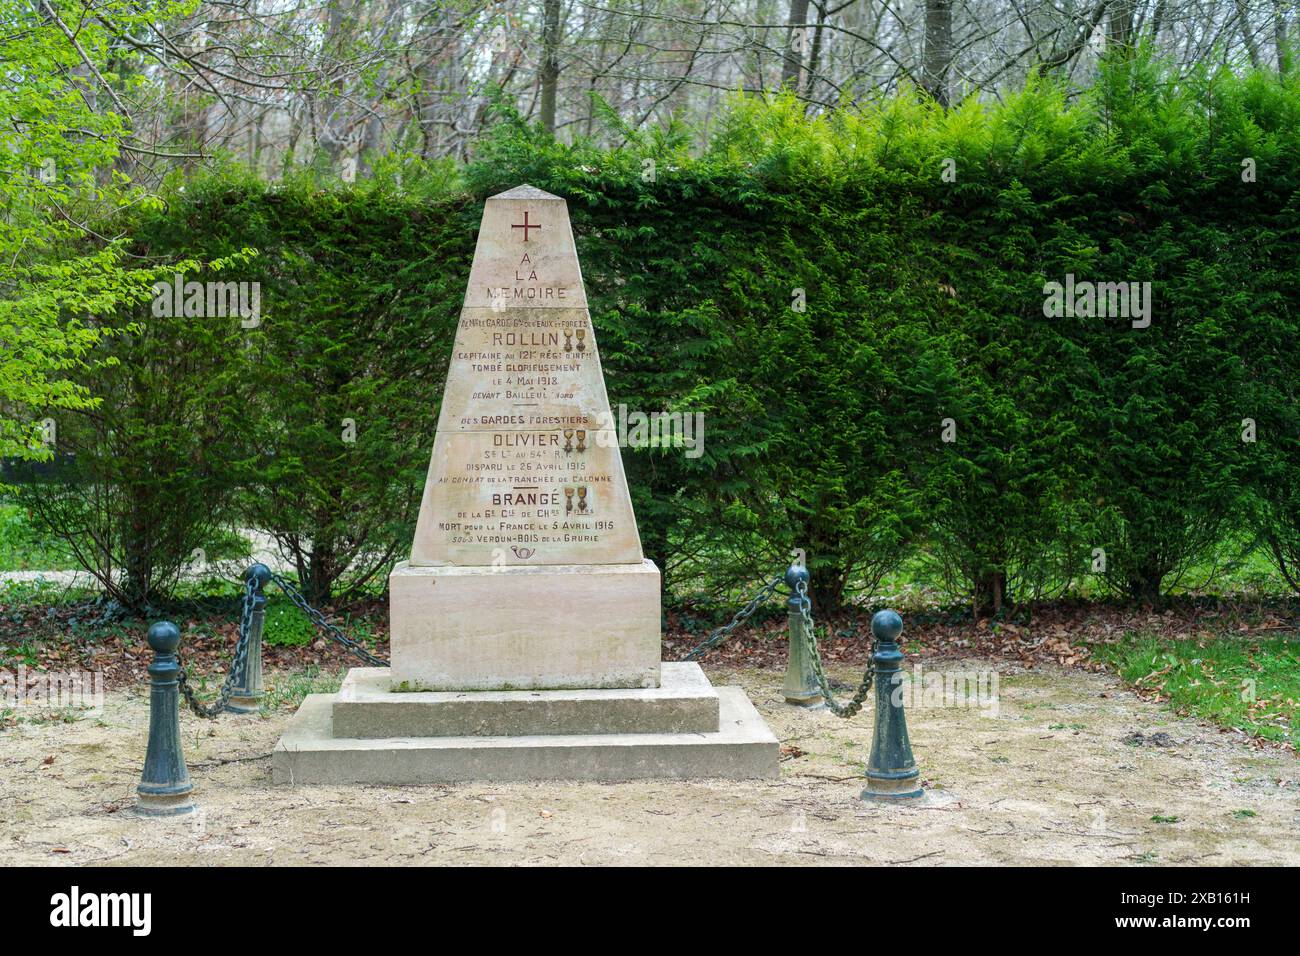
(810, 642)
(715, 638)
(211, 711)
(722, 633)
(319, 620)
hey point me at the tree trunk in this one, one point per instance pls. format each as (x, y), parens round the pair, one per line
(1144, 585)
(1281, 40)
(1062, 57)
(321, 573)
(1247, 34)
(550, 75)
(990, 593)
(135, 589)
(1119, 24)
(815, 54)
(1158, 19)
(937, 55)
(796, 43)
(826, 588)
(335, 131)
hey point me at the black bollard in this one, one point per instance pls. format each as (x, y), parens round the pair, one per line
(247, 692)
(892, 772)
(165, 786)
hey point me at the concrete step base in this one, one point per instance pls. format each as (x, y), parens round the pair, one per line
(367, 706)
(743, 748)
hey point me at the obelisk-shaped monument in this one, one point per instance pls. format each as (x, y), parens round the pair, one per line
(525, 627)
(526, 571)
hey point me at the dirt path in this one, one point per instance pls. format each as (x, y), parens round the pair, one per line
(1048, 780)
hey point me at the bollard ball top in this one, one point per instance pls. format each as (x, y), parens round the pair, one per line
(259, 571)
(886, 625)
(795, 574)
(164, 637)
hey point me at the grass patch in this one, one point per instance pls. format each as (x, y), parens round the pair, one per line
(1245, 683)
(290, 688)
(23, 654)
(23, 549)
(286, 626)
(54, 715)
(1234, 566)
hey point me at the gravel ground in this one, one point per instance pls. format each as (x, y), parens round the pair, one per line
(1071, 769)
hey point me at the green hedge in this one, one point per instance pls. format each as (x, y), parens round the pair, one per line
(312, 425)
(1079, 445)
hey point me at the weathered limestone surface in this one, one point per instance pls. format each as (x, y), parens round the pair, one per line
(742, 748)
(366, 706)
(526, 571)
(525, 469)
(512, 628)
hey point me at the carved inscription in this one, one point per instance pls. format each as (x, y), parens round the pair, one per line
(520, 474)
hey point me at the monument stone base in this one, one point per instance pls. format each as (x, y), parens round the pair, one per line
(686, 728)
(518, 628)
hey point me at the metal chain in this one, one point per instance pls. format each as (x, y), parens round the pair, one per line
(330, 630)
(211, 711)
(722, 633)
(810, 642)
(715, 638)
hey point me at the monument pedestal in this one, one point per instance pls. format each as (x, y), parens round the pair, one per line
(525, 627)
(369, 733)
(521, 628)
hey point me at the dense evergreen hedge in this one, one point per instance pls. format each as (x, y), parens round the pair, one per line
(922, 398)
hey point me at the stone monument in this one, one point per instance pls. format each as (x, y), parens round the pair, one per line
(525, 626)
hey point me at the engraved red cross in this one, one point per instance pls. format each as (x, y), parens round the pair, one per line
(525, 225)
